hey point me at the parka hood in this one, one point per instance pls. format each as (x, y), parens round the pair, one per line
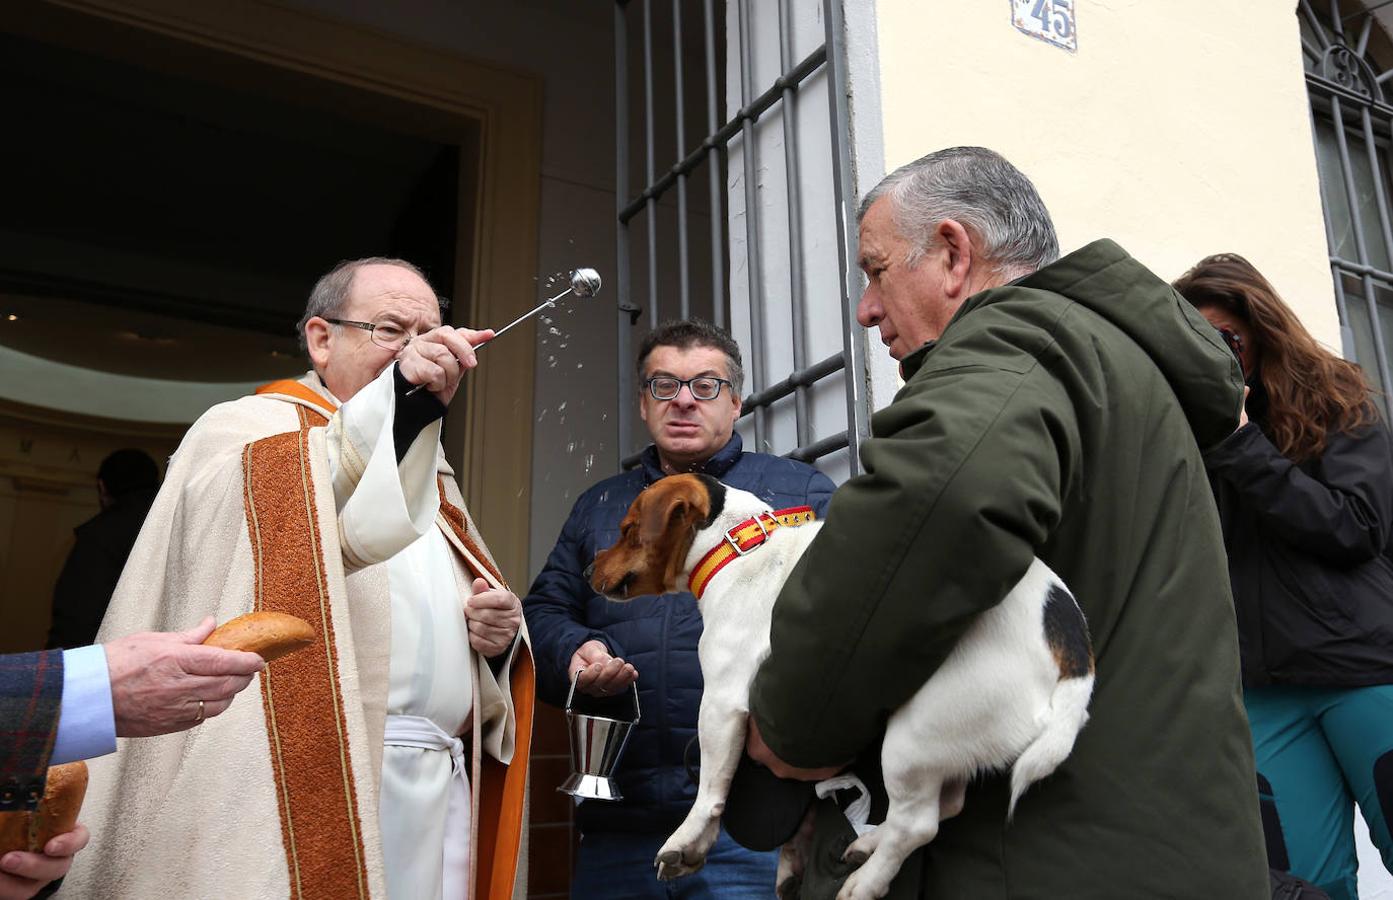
(1203, 373)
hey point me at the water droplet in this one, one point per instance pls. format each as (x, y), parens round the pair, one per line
(553, 330)
(571, 447)
(562, 407)
(542, 416)
(563, 345)
(580, 365)
(604, 416)
(589, 462)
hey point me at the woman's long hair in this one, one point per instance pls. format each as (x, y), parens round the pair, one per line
(1311, 392)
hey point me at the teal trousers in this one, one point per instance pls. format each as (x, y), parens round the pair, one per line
(1319, 752)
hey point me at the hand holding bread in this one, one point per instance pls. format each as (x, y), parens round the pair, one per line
(270, 635)
(38, 846)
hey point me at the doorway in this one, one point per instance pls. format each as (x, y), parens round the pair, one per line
(184, 176)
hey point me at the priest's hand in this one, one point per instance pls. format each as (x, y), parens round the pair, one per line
(601, 675)
(168, 681)
(22, 875)
(440, 357)
(494, 616)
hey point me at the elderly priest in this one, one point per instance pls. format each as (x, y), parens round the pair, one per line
(389, 758)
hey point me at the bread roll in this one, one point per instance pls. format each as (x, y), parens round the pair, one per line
(57, 812)
(270, 635)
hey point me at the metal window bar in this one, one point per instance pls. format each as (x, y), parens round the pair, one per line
(1341, 79)
(714, 149)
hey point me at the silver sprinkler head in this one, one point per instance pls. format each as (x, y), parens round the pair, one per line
(585, 282)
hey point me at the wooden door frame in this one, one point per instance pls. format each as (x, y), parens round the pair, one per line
(491, 430)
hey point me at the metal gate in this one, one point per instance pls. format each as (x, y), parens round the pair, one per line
(679, 81)
(1352, 122)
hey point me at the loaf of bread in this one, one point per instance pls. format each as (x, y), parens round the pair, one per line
(270, 635)
(57, 812)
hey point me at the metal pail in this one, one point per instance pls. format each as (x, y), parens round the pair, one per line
(596, 745)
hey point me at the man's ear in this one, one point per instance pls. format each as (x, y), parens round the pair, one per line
(959, 256)
(317, 336)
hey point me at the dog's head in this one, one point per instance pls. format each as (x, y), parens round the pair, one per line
(655, 537)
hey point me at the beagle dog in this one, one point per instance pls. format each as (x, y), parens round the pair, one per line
(1014, 691)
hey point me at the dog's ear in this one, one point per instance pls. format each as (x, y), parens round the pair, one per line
(675, 502)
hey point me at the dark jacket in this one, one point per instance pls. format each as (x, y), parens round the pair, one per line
(1310, 554)
(1059, 416)
(657, 634)
(31, 697)
(92, 569)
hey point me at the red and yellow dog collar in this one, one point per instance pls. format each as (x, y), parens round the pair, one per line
(743, 538)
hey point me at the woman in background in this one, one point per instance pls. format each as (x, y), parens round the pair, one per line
(1305, 494)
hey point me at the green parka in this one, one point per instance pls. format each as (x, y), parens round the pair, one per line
(1060, 416)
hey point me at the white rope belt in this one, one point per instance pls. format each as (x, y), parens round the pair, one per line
(423, 734)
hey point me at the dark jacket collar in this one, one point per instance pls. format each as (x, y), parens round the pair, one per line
(716, 466)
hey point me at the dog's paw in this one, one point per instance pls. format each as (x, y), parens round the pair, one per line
(674, 864)
(790, 887)
(858, 887)
(855, 857)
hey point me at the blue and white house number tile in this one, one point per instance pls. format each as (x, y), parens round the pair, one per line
(1051, 21)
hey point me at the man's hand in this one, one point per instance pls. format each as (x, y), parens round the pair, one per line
(440, 357)
(1243, 410)
(22, 875)
(493, 617)
(760, 753)
(158, 679)
(601, 675)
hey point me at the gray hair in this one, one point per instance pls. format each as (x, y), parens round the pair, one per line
(984, 193)
(330, 293)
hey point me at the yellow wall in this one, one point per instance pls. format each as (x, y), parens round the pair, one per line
(1178, 129)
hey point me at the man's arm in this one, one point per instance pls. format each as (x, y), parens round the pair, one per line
(31, 693)
(555, 609)
(962, 483)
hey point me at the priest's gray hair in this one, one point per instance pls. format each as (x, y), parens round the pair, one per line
(330, 293)
(979, 189)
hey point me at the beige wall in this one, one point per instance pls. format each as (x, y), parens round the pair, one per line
(1177, 129)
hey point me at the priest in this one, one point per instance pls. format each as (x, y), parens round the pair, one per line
(389, 759)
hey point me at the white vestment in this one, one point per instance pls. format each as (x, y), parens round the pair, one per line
(291, 792)
(425, 803)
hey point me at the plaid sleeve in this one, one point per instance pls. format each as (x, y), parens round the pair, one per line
(31, 694)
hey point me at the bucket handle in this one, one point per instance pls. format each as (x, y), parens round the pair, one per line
(570, 695)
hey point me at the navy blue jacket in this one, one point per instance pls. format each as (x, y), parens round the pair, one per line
(657, 634)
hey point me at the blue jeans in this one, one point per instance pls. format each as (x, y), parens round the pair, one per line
(1319, 751)
(619, 866)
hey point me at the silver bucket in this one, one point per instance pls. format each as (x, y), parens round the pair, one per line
(596, 745)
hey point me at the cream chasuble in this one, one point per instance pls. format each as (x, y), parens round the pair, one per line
(276, 501)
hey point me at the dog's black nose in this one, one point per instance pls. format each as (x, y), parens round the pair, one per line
(589, 570)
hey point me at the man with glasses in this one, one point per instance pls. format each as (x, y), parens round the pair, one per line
(381, 759)
(689, 398)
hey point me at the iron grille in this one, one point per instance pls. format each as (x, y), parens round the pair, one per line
(713, 152)
(1352, 123)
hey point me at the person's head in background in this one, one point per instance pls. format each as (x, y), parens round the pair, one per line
(690, 378)
(1309, 392)
(123, 473)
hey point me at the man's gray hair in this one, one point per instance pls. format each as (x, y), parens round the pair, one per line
(984, 193)
(330, 293)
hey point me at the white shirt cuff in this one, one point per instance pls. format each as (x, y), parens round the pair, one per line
(86, 721)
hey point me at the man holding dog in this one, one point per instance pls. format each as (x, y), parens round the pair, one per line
(690, 379)
(1052, 407)
(388, 758)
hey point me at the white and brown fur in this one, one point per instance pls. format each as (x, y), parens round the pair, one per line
(1014, 691)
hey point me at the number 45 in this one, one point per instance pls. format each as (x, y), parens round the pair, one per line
(1054, 17)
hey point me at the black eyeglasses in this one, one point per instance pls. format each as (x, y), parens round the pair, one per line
(703, 387)
(385, 333)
